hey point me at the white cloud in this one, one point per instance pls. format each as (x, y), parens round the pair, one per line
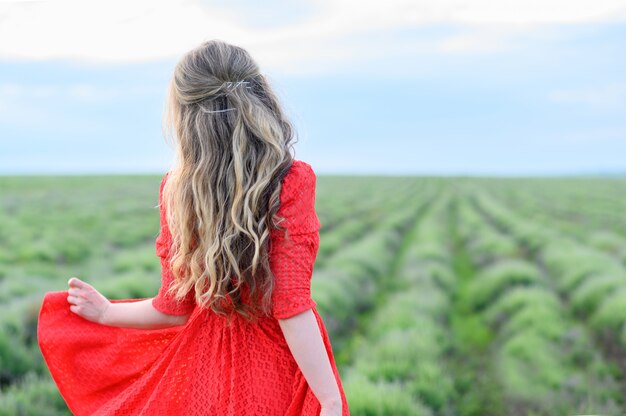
(138, 30)
(597, 135)
(81, 91)
(13, 90)
(520, 13)
(93, 93)
(20, 105)
(108, 31)
(607, 96)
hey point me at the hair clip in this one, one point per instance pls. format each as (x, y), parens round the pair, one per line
(216, 111)
(229, 84)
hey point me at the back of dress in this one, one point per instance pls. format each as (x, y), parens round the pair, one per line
(203, 367)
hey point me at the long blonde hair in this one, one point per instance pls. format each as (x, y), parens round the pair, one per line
(233, 147)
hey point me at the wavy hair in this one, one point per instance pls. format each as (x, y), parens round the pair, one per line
(233, 145)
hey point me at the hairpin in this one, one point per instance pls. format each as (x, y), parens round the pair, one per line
(229, 84)
(217, 111)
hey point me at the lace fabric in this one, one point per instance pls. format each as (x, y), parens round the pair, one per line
(203, 367)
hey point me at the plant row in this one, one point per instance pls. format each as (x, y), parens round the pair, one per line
(547, 359)
(400, 366)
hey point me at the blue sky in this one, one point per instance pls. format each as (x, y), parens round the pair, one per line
(411, 88)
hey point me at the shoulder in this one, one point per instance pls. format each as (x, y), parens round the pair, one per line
(297, 199)
(301, 166)
(300, 176)
(298, 187)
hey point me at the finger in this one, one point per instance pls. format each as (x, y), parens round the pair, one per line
(74, 309)
(74, 299)
(74, 291)
(73, 281)
(76, 282)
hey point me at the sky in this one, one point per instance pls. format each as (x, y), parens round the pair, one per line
(409, 87)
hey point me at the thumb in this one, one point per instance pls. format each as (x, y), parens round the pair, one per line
(76, 282)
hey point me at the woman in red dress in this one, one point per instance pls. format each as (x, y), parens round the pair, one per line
(233, 329)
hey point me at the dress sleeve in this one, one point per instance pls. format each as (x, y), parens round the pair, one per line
(292, 256)
(164, 302)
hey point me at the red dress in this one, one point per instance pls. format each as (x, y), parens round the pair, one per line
(203, 367)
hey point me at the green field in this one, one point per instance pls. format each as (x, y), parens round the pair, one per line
(442, 296)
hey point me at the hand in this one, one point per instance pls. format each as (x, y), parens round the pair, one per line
(86, 301)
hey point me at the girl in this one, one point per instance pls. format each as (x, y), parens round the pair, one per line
(233, 329)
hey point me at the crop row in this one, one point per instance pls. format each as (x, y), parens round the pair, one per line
(585, 203)
(400, 366)
(545, 360)
(347, 284)
(347, 227)
(602, 229)
(591, 280)
(22, 367)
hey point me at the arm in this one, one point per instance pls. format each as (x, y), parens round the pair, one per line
(305, 341)
(140, 314)
(87, 302)
(93, 306)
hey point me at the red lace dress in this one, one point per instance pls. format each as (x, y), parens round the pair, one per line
(203, 367)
